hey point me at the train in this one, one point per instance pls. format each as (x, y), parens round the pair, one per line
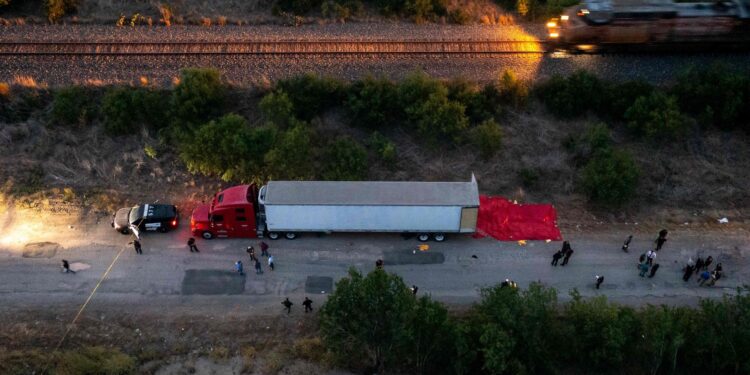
(641, 23)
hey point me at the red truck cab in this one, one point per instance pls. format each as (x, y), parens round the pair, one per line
(231, 213)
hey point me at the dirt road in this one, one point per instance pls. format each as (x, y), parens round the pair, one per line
(168, 278)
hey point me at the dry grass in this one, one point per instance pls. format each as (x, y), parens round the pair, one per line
(26, 81)
(4, 90)
(248, 354)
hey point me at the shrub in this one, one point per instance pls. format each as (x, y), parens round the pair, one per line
(312, 95)
(236, 152)
(511, 90)
(621, 96)
(278, 108)
(717, 95)
(342, 10)
(439, 119)
(384, 148)
(290, 157)
(487, 137)
(598, 138)
(459, 17)
(572, 96)
(424, 10)
(656, 115)
(344, 159)
(73, 106)
(529, 177)
(297, 7)
(610, 178)
(95, 360)
(372, 103)
(126, 108)
(56, 9)
(198, 98)
(479, 105)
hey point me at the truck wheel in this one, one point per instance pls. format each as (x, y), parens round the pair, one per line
(124, 231)
(423, 237)
(207, 235)
(273, 235)
(438, 237)
(290, 235)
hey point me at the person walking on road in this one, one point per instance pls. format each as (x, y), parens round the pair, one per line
(653, 270)
(66, 267)
(258, 268)
(643, 267)
(698, 265)
(556, 257)
(308, 305)
(568, 254)
(191, 245)
(251, 251)
(287, 305)
(661, 239)
(599, 280)
(263, 249)
(270, 262)
(650, 256)
(239, 268)
(379, 264)
(137, 247)
(626, 245)
(708, 262)
(688, 271)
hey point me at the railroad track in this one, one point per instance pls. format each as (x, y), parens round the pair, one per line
(318, 47)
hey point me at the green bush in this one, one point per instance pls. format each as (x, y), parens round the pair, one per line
(311, 95)
(656, 116)
(291, 155)
(236, 153)
(621, 96)
(198, 98)
(479, 105)
(73, 105)
(384, 148)
(427, 106)
(572, 96)
(487, 138)
(94, 361)
(125, 109)
(459, 17)
(610, 178)
(717, 95)
(344, 159)
(425, 10)
(373, 103)
(278, 108)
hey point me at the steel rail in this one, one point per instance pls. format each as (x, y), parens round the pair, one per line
(284, 47)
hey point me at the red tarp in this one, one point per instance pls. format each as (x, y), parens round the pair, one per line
(504, 220)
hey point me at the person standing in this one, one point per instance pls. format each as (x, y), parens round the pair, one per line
(66, 267)
(239, 268)
(688, 272)
(568, 254)
(599, 280)
(137, 247)
(287, 305)
(251, 251)
(556, 257)
(263, 249)
(414, 290)
(661, 239)
(708, 262)
(191, 245)
(653, 270)
(698, 265)
(308, 305)
(379, 264)
(704, 276)
(642, 258)
(270, 262)
(626, 245)
(650, 256)
(258, 269)
(643, 267)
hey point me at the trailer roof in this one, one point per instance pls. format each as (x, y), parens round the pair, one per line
(375, 193)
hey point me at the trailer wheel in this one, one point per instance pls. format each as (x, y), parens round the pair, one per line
(438, 237)
(290, 235)
(124, 231)
(273, 235)
(207, 235)
(423, 237)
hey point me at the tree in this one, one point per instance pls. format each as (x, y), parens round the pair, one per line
(278, 108)
(572, 96)
(119, 111)
(610, 178)
(439, 119)
(664, 333)
(487, 137)
(655, 116)
(717, 95)
(366, 317)
(291, 156)
(344, 159)
(198, 97)
(373, 103)
(429, 337)
(311, 95)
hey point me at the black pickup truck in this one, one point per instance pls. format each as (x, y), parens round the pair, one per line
(146, 217)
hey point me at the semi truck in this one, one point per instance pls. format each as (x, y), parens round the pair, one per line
(429, 210)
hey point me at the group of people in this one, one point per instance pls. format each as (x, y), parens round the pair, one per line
(700, 267)
(288, 305)
(565, 253)
(238, 266)
(646, 264)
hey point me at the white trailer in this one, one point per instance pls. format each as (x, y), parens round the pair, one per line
(424, 208)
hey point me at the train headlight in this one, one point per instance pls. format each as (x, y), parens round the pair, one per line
(554, 35)
(551, 24)
(564, 18)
